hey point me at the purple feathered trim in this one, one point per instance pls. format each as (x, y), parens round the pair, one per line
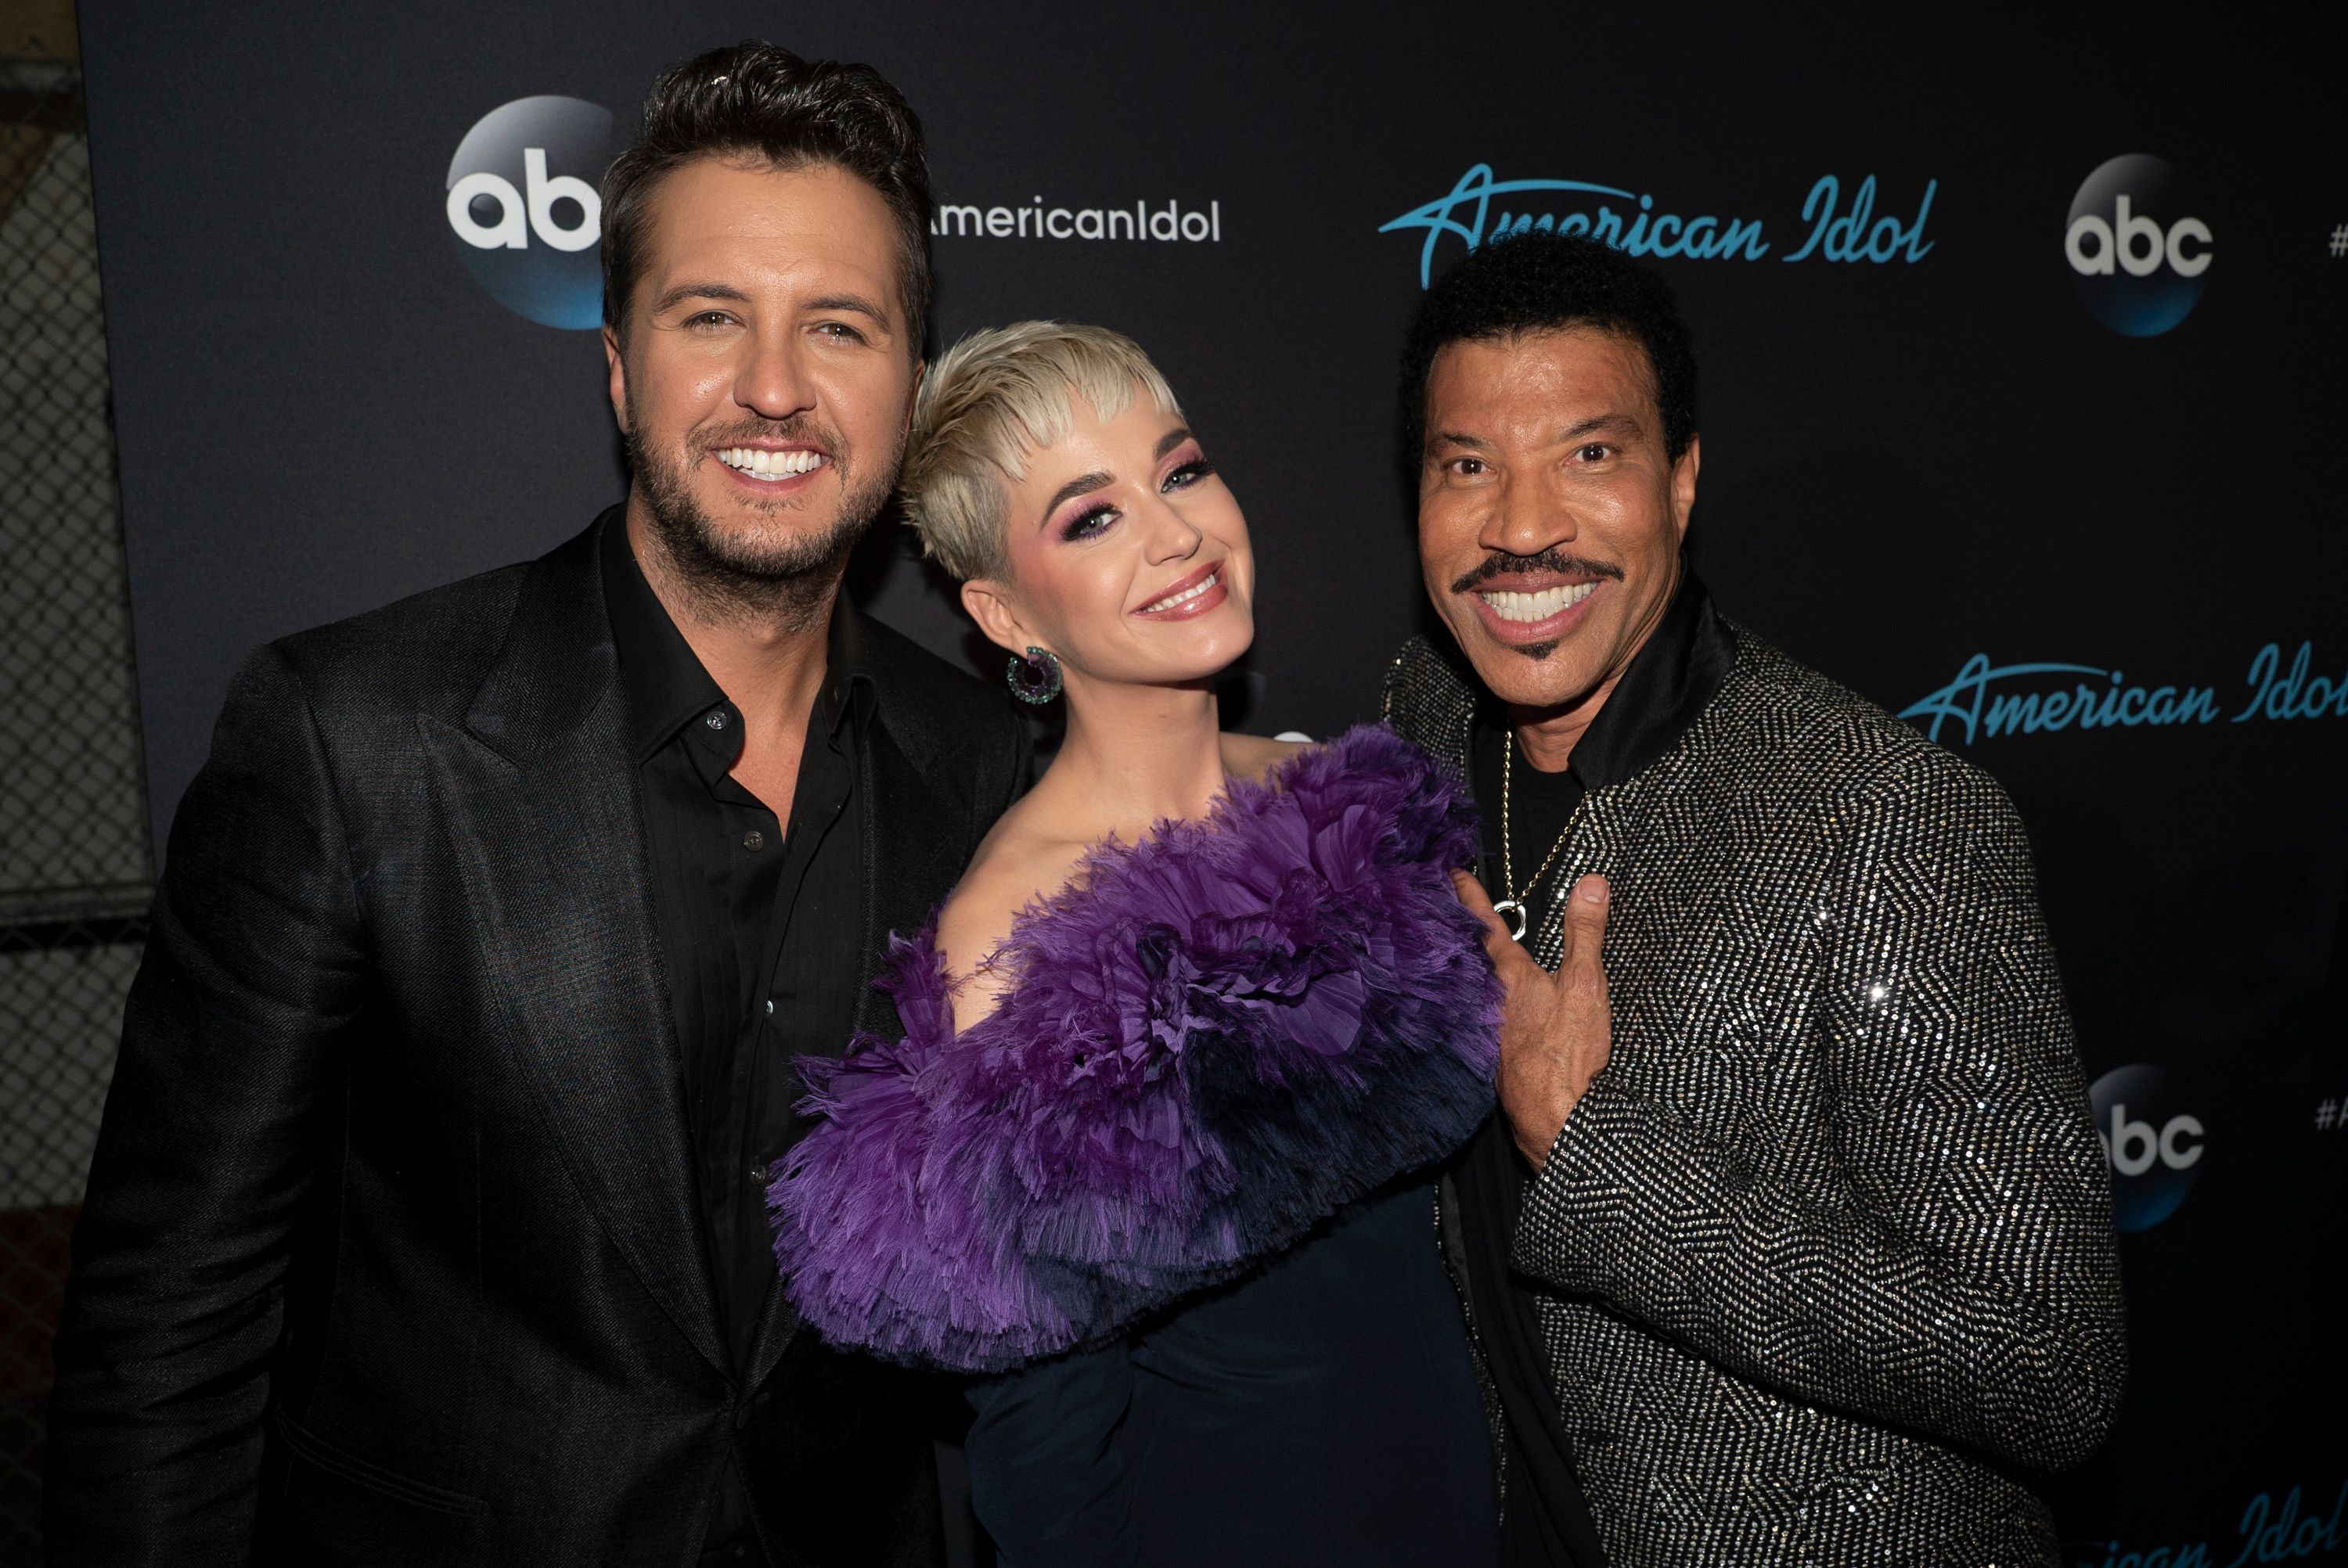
(1215, 1038)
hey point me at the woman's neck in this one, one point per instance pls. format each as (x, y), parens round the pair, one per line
(1134, 755)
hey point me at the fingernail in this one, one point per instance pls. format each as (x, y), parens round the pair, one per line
(1590, 890)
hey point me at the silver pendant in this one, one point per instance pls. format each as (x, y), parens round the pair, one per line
(1516, 913)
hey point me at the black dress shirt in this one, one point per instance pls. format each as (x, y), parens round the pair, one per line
(1668, 683)
(758, 923)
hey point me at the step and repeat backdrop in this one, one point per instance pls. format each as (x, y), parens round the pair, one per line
(2021, 415)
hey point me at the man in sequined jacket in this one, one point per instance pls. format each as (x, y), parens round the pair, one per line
(1792, 1241)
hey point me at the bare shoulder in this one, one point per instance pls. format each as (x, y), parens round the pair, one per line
(1019, 863)
(1253, 757)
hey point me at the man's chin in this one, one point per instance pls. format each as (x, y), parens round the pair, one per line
(1544, 674)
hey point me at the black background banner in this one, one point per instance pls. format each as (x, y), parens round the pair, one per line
(2078, 524)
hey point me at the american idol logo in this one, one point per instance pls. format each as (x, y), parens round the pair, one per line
(2136, 256)
(1480, 209)
(1987, 701)
(523, 206)
(2154, 1151)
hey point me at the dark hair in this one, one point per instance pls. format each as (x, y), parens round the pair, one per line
(755, 101)
(1536, 282)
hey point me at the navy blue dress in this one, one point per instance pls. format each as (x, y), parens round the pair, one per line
(1320, 1411)
(1197, 1128)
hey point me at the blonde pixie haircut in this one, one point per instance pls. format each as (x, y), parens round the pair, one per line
(992, 400)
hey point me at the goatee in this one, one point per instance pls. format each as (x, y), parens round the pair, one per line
(784, 579)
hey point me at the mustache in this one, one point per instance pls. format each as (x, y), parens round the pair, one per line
(1499, 563)
(797, 427)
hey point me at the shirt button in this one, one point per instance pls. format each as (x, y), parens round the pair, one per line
(717, 720)
(754, 839)
(761, 1173)
(771, 1008)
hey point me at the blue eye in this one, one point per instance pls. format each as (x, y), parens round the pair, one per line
(1088, 524)
(1188, 475)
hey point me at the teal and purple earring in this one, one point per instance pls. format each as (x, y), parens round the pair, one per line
(1035, 678)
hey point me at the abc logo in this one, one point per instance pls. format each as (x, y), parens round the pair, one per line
(2137, 262)
(2154, 1154)
(523, 207)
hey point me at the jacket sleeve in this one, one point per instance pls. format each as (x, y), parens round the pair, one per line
(207, 1152)
(1961, 1276)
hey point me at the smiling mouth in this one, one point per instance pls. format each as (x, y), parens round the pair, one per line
(1529, 608)
(1190, 590)
(760, 463)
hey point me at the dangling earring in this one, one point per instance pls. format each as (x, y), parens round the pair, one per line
(1035, 678)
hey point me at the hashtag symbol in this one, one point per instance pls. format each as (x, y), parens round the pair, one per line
(2339, 239)
(2327, 1116)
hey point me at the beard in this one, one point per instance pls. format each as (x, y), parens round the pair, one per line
(785, 577)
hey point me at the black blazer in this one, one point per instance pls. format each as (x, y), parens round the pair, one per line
(390, 1252)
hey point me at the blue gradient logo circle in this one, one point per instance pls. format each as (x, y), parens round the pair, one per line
(2137, 255)
(523, 207)
(2155, 1152)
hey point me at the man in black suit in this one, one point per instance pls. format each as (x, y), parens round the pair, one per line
(427, 1221)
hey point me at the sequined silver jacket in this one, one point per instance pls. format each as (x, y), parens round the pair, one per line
(1828, 1245)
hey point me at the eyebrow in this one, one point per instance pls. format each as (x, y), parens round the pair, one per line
(1098, 480)
(1172, 439)
(671, 298)
(1597, 424)
(856, 303)
(1621, 424)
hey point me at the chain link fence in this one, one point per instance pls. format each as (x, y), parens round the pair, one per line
(75, 866)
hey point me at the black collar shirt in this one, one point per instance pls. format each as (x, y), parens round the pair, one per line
(1669, 682)
(759, 923)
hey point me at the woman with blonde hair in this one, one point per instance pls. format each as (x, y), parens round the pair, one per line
(1153, 1152)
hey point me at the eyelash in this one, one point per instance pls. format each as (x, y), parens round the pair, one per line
(1180, 477)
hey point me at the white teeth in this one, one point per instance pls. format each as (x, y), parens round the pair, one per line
(769, 465)
(1187, 594)
(1532, 607)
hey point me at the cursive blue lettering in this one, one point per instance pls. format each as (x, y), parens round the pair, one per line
(1745, 232)
(1974, 705)
(1471, 214)
(1857, 235)
(2286, 1535)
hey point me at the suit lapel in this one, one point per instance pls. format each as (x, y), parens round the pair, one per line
(918, 837)
(543, 821)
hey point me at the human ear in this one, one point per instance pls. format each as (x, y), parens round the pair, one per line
(986, 603)
(1683, 485)
(617, 367)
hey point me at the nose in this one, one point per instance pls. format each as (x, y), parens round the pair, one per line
(1527, 519)
(772, 380)
(1169, 536)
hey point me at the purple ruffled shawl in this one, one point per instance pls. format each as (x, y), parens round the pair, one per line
(1216, 1037)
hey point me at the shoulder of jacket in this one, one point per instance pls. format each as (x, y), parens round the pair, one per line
(1422, 685)
(430, 650)
(1852, 748)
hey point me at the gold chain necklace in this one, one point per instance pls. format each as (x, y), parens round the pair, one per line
(1513, 905)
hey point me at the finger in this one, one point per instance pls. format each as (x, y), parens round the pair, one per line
(1499, 943)
(1585, 928)
(1479, 903)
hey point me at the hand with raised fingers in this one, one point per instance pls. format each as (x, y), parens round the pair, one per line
(1556, 1029)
